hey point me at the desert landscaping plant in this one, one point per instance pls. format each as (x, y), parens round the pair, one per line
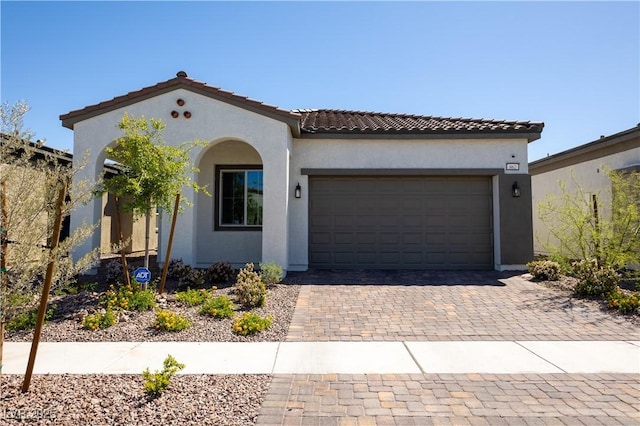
(623, 302)
(194, 297)
(250, 323)
(29, 213)
(170, 321)
(157, 382)
(128, 297)
(595, 280)
(27, 320)
(583, 227)
(271, 273)
(221, 272)
(546, 270)
(218, 307)
(249, 288)
(99, 320)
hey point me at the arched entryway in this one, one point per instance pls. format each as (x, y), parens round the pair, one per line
(228, 225)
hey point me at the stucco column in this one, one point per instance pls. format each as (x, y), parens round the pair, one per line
(275, 234)
(516, 225)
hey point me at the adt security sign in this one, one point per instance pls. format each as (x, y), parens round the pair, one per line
(142, 275)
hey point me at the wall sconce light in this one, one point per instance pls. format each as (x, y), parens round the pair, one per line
(515, 189)
(298, 191)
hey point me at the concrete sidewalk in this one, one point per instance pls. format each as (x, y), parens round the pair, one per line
(457, 357)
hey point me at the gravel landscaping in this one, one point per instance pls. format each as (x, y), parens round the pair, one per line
(190, 399)
(138, 326)
(120, 399)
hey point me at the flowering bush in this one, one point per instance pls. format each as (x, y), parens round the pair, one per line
(626, 304)
(250, 289)
(546, 270)
(250, 323)
(99, 320)
(218, 307)
(193, 297)
(128, 297)
(170, 321)
(595, 280)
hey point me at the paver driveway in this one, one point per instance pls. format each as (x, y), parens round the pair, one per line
(452, 306)
(428, 306)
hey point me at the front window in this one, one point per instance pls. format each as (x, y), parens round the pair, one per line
(240, 198)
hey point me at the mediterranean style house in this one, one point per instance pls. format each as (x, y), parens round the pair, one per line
(329, 189)
(584, 166)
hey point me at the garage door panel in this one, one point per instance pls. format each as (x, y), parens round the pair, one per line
(411, 238)
(436, 222)
(368, 238)
(343, 238)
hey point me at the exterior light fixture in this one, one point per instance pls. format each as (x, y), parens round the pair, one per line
(515, 189)
(298, 191)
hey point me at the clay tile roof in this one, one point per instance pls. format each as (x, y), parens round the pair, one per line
(330, 121)
(180, 81)
(319, 121)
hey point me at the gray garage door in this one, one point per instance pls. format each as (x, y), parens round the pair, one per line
(417, 222)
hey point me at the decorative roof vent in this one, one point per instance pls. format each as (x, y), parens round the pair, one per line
(181, 74)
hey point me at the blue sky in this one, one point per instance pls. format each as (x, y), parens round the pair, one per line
(573, 65)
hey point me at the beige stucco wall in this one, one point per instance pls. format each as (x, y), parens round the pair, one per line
(393, 154)
(235, 135)
(211, 121)
(133, 228)
(589, 175)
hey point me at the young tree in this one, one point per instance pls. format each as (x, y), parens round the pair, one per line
(154, 172)
(604, 226)
(30, 181)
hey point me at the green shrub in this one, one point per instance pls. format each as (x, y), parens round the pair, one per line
(185, 274)
(27, 320)
(626, 304)
(218, 307)
(250, 323)
(157, 382)
(115, 271)
(177, 269)
(271, 273)
(194, 277)
(220, 272)
(194, 297)
(250, 289)
(546, 270)
(128, 297)
(595, 280)
(170, 321)
(75, 288)
(99, 320)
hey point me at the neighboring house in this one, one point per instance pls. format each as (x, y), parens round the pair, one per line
(330, 189)
(583, 166)
(131, 228)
